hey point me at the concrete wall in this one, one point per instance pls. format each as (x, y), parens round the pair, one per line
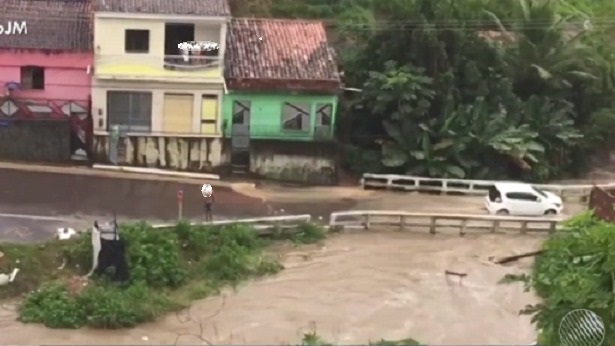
(308, 163)
(266, 114)
(35, 140)
(111, 59)
(66, 76)
(300, 162)
(99, 101)
(171, 152)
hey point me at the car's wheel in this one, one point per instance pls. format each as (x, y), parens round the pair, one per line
(550, 212)
(502, 212)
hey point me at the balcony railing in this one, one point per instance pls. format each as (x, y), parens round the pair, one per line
(190, 62)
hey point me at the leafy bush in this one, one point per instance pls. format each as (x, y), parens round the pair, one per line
(575, 271)
(154, 256)
(110, 306)
(168, 269)
(54, 306)
(102, 305)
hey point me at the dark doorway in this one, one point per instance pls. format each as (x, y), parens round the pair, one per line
(174, 34)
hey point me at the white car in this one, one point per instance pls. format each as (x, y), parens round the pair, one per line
(522, 199)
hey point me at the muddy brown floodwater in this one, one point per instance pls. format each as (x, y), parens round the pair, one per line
(355, 288)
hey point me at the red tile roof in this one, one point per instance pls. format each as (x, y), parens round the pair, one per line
(276, 54)
(51, 24)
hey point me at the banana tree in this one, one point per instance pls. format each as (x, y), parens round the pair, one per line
(548, 48)
(419, 154)
(496, 134)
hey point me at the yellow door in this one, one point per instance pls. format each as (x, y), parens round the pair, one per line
(209, 114)
(178, 113)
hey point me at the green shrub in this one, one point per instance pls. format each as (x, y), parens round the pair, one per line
(309, 233)
(54, 306)
(154, 256)
(575, 271)
(110, 306)
(232, 253)
(78, 253)
(168, 269)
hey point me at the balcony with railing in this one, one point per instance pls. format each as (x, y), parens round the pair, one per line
(190, 63)
(157, 67)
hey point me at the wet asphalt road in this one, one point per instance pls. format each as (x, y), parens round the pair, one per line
(62, 194)
(72, 200)
(81, 199)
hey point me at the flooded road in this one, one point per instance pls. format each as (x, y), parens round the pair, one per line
(357, 287)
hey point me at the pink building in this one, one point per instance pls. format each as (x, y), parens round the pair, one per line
(45, 63)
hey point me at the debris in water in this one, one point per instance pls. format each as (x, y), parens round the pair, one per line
(514, 258)
(65, 233)
(460, 275)
(5, 279)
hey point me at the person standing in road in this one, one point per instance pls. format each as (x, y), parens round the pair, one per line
(208, 193)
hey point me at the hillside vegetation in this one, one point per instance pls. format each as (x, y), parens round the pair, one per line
(477, 89)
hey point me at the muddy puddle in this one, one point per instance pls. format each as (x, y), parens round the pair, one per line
(356, 288)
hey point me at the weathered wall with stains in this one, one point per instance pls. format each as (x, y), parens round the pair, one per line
(185, 153)
(303, 162)
(35, 140)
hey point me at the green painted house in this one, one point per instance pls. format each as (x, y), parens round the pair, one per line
(279, 111)
(282, 116)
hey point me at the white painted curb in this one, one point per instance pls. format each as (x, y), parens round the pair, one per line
(156, 171)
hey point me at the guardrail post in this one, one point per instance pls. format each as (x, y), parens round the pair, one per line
(402, 222)
(432, 224)
(523, 227)
(496, 226)
(553, 227)
(462, 229)
(366, 222)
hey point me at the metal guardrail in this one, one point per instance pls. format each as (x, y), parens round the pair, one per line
(431, 223)
(467, 186)
(442, 223)
(264, 225)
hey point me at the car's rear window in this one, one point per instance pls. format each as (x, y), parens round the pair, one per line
(540, 192)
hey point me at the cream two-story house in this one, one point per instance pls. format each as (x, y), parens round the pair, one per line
(164, 102)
